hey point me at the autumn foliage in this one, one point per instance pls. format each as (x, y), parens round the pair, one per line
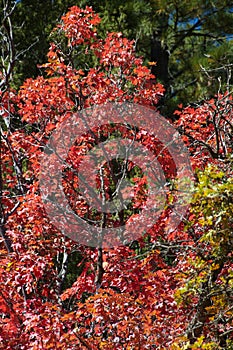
(165, 290)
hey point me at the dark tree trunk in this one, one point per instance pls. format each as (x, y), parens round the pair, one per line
(160, 55)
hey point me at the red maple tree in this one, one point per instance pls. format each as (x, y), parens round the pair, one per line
(59, 294)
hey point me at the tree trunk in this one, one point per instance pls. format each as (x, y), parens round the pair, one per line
(160, 55)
